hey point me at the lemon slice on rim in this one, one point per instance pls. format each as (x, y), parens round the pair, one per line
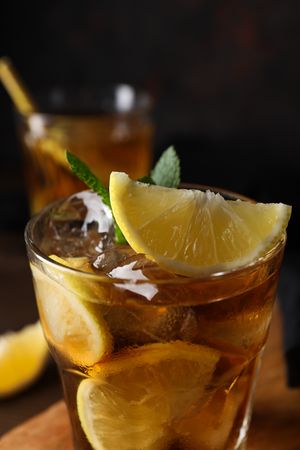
(191, 232)
(129, 402)
(23, 355)
(72, 322)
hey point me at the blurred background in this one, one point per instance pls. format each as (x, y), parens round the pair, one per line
(224, 77)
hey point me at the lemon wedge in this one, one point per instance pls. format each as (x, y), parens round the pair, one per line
(129, 402)
(72, 322)
(23, 356)
(191, 232)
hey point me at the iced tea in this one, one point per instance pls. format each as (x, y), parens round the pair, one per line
(148, 359)
(110, 136)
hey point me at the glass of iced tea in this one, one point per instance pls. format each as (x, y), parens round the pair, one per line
(149, 360)
(108, 129)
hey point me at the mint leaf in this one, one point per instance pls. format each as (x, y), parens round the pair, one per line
(167, 170)
(165, 173)
(81, 170)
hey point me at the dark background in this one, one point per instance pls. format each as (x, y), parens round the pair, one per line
(225, 76)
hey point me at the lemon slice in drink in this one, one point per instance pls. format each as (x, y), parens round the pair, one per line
(72, 322)
(191, 232)
(129, 402)
(23, 356)
(217, 419)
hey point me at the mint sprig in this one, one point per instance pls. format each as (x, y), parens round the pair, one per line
(82, 171)
(167, 169)
(165, 173)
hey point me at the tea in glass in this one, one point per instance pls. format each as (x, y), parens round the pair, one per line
(108, 130)
(149, 360)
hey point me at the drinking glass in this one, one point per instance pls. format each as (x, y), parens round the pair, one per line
(109, 129)
(148, 359)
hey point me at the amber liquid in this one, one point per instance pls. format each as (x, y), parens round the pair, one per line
(230, 316)
(105, 143)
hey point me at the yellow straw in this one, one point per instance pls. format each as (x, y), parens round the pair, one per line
(15, 88)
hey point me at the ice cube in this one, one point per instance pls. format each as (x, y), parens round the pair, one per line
(111, 257)
(138, 324)
(238, 324)
(82, 225)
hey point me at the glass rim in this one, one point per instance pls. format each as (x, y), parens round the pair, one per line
(139, 101)
(179, 280)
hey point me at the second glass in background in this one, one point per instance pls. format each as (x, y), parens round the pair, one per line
(109, 129)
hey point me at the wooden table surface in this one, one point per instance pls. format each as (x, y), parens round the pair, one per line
(17, 308)
(276, 417)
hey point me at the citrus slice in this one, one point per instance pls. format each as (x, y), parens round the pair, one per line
(191, 232)
(129, 402)
(73, 324)
(217, 419)
(23, 356)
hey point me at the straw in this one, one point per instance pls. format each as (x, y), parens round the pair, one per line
(16, 88)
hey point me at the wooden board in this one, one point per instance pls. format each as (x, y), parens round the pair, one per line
(275, 423)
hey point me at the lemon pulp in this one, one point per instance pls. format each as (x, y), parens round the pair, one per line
(129, 402)
(191, 232)
(72, 322)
